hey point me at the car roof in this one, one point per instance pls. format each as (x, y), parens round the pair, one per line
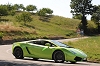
(35, 40)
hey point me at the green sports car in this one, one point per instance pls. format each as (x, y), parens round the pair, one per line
(47, 49)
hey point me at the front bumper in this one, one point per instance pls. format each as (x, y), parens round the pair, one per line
(80, 59)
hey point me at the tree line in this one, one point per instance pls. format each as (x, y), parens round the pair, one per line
(10, 9)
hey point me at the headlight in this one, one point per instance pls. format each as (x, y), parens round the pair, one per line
(84, 59)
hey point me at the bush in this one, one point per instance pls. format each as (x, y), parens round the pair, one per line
(1, 35)
(12, 13)
(71, 34)
(91, 27)
(24, 16)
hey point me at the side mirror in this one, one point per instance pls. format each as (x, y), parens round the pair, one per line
(47, 44)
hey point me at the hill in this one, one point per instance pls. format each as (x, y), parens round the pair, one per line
(57, 26)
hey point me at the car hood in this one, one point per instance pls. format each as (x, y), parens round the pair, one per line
(77, 52)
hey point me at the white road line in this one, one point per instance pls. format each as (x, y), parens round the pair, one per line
(8, 51)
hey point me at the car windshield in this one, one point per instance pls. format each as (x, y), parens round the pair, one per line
(60, 44)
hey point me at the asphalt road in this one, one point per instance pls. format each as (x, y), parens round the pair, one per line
(72, 39)
(7, 59)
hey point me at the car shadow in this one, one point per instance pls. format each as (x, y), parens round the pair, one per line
(52, 61)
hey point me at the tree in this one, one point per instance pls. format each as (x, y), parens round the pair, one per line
(45, 13)
(16, 6)
(31, 8)
(3, 10)
(77, 16)
(9, 7)
(96, 17)
(82, 7)
(25, 17)
(21, 6)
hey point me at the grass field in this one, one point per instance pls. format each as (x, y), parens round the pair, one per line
(91, 46)
(57, 26)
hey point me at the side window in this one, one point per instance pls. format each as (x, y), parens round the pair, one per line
(44, 43)
(49, 44)
(39, 42)
(35, 42)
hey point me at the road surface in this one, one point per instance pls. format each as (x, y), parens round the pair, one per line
(72, 39)
(7, 59)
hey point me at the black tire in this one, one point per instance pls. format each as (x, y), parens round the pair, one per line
(35, 59)
(59, 57)
(72, 62)
(18, 53)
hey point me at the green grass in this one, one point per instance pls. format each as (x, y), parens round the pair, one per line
(57, 26)
(91, 46)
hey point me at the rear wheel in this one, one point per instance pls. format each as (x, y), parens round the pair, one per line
(59, 57)
(18, 53)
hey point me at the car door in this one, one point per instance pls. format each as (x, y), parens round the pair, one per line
(40, 51)
(35, 48)
(48, 50)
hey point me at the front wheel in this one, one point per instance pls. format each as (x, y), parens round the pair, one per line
(35, 59)
(18, 53)
(59, 57)
(72, 62)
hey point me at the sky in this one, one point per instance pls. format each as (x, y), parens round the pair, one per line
(59, 7)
